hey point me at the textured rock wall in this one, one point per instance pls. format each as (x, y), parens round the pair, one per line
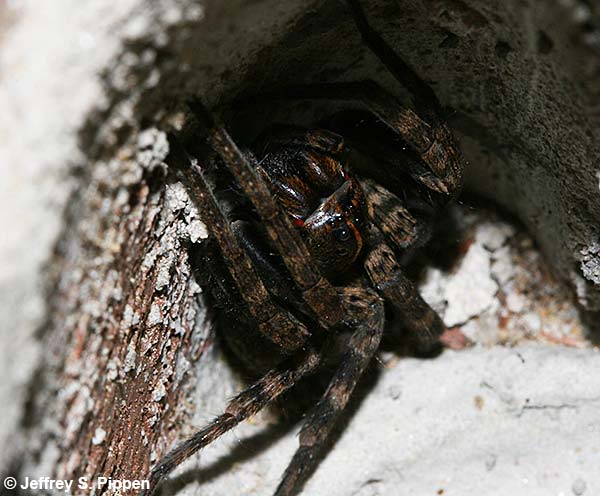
(86, 90)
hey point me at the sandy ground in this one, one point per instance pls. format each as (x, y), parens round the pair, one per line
(518, 413)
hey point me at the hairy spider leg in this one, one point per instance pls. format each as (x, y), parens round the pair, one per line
(275, 323)
(393, 219)
(433, 145)
(243, 406)
(425, 99)
(318, 293)
(318, 139)
(443, 152)
(423, 324)
(365, 314)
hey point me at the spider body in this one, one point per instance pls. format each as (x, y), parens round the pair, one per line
(306, 273)
(324, 201)
(326, 205)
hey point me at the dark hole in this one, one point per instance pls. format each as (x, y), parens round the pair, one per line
(450, 41)
(502, 49)
(544, 44)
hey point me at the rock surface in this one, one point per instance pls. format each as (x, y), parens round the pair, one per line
(82, 82)
(484, 421)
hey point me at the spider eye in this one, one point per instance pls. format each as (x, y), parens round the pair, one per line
(342, 252)
(342, 234)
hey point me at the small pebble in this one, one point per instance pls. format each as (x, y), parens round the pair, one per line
(493, 235)
(515, 302)
(503, 267)
(394, 392)
(533, 322)
(578, 487)
(490, 461)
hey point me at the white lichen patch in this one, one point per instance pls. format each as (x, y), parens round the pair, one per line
(590, 262)
(503, 267)
(197, 231)
(127, 320)
(81, 406)
(155, 315)
(164, 271)
(112, 369)
(150, 258)
(159, 393)
(99, 436)
(176, 197)
(432, 289)
(182, 367)
(129, 362)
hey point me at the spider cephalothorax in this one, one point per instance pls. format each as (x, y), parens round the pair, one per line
(327, 204)
(316, 252)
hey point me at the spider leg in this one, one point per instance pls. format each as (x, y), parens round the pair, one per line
(431, 143)
(393, 219)
(243, 406)
(399, 227)
(425, 99)
(424, 326)
(365, 312)
(274, 322)
(443, 151)
(318, 139)
(318, 293)
(404, 232)
(376, 153)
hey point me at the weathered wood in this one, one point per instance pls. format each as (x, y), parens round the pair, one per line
(122, 306)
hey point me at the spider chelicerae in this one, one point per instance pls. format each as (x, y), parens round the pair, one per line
(309, 271)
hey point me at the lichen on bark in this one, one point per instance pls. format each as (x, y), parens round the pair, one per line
(123, 321)
(126, 320)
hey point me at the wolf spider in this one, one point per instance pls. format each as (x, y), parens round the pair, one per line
(312, 304)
